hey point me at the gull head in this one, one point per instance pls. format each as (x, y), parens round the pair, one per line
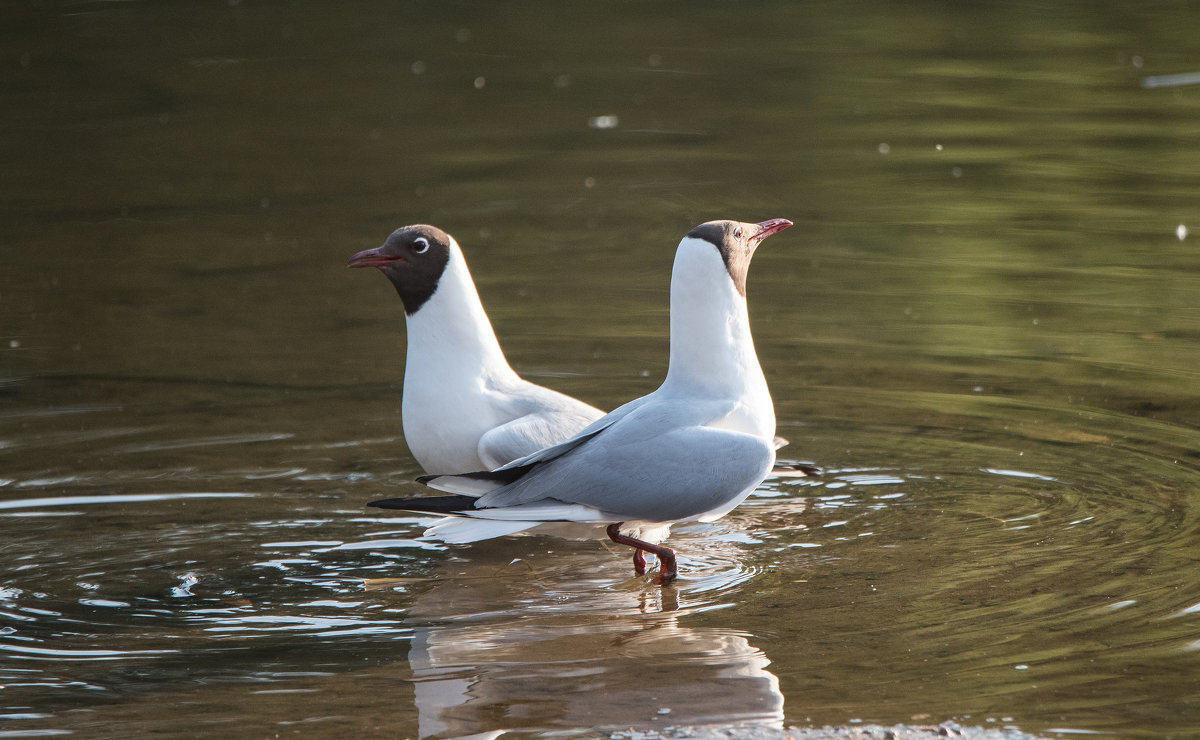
(413, 258)
(736, 242)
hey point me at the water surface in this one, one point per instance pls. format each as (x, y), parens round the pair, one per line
(984, 327)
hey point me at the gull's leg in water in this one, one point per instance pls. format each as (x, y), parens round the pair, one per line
(667, 571)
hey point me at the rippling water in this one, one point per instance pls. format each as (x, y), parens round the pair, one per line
(984, 328)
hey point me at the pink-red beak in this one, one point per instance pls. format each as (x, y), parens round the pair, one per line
(373, 258)
(771, 226)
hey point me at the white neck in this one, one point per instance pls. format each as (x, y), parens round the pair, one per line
(712, 351)
(451, 331)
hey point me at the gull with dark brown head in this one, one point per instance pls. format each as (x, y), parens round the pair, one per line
(464, 408)
(691, 450)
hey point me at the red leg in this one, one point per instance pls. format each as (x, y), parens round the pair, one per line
(667, 571)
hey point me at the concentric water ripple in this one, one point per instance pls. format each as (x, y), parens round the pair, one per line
(919, 564)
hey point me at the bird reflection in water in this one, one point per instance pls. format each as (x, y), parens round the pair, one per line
(505, 645)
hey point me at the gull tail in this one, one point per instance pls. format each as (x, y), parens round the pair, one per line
(457, 530)
(458, 526)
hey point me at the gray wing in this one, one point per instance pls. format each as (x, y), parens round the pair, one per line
(591, 430)
(477, 483)
(552, 418)
(647, 467)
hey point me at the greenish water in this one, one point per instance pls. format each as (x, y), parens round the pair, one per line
(984, 326)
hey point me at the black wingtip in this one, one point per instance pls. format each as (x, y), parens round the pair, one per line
(429, 505)
(502, 476)
(388, 503)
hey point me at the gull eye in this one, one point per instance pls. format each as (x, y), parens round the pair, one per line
(737, 234)
(420, 245)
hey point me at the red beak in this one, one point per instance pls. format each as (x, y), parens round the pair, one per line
(772, 226)
(373, 258)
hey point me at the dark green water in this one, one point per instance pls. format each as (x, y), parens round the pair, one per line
(985, 325)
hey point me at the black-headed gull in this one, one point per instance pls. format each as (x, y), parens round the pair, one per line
(463, 407)
(691, 450)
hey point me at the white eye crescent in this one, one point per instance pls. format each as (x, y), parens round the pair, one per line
(737, 234)
(420, 245)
